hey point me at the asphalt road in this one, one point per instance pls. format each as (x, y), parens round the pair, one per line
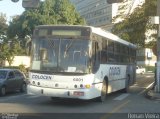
(117, 105)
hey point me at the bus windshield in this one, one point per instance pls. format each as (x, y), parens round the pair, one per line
(60, 55)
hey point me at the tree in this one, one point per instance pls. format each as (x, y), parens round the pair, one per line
(49, 12)
(3, 30)
(3, 27)
(134, 26)
(9, 49)
(3, 24)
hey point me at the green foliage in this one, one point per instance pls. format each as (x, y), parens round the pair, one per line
(150, 68)
(22, 68)
(49, 12)
(9, 49)
(135, 25)
(150, 7)
(3, 24)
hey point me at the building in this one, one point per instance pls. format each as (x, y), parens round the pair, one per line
(99, 13)
(96, 12)
(145, 56)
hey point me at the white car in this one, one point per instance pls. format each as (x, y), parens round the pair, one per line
(140, 70)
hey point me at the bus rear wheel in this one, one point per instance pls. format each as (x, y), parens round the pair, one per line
(126, 89)
(55, 98)
(102, 98)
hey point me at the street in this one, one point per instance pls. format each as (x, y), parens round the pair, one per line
(118, 102)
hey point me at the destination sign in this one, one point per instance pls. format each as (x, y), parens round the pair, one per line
(66, 32)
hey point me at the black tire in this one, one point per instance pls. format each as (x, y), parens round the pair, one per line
(3, 91)
(23, 88)
(126, 89)
(104, 89)
(55, 98)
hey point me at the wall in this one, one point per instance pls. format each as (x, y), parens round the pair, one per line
(145, 57)
(20, 60)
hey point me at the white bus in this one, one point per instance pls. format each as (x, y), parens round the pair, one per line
(81, 62)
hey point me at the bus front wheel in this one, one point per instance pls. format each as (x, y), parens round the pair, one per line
(102, 98)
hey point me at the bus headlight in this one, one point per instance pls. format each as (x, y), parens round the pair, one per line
(75, 86)
(81, 86)
(33, 82)
(87, 86)
(38, 83)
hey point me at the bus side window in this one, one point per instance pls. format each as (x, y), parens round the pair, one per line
(110, 50)
(95, 49)
(95, 55)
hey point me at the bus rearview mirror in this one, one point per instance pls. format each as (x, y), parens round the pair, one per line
(30, 3)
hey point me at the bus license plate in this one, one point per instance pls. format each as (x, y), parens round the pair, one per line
(77, 93)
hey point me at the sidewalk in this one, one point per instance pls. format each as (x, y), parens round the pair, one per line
(151, 94)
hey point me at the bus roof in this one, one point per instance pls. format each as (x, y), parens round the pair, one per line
(97, 31)
(109, 35)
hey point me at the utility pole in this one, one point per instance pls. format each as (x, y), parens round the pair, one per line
(157, 86)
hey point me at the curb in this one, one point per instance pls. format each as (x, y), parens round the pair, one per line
(151, 94)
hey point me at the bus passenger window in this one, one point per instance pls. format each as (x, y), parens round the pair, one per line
(103, 56)
(95, 54)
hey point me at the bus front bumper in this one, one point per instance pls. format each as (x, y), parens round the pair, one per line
(85, 94)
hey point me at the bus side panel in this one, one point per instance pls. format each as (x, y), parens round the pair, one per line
(116, 75)
(131, 72)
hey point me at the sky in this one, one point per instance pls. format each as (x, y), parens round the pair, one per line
(10, 8)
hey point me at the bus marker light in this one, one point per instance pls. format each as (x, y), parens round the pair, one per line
(81, 85)
(33, 82)
(77, 93)
(38, 83)
(75, 86)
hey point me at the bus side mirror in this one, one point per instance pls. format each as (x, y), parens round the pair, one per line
(114, 1)
(30, 3)
(14, 0)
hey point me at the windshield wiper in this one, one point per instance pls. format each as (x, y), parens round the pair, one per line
(67, 48)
